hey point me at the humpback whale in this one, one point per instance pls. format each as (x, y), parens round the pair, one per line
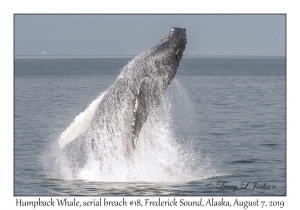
(122, 110)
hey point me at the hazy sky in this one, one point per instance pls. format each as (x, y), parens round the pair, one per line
(206, 34)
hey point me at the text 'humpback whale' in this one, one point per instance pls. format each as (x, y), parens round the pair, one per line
(125, 106)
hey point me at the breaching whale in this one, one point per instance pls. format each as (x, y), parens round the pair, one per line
(123, 109)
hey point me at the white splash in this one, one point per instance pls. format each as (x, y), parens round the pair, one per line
(158, 157)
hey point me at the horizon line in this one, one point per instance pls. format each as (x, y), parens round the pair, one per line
(131, 56)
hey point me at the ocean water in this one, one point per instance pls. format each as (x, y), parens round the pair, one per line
(219, 131)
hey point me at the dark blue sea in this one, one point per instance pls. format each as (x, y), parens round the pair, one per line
(227, 121)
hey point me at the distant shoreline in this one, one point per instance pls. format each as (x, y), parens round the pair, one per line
(132, 56)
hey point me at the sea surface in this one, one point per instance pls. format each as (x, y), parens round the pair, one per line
(228, 119)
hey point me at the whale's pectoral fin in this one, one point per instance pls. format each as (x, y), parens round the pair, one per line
(139, 112)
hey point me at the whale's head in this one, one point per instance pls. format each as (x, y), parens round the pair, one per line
(174, 43)
(168, 52)
(177, 38)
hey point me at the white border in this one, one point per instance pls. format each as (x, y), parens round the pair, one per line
(187, 6)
